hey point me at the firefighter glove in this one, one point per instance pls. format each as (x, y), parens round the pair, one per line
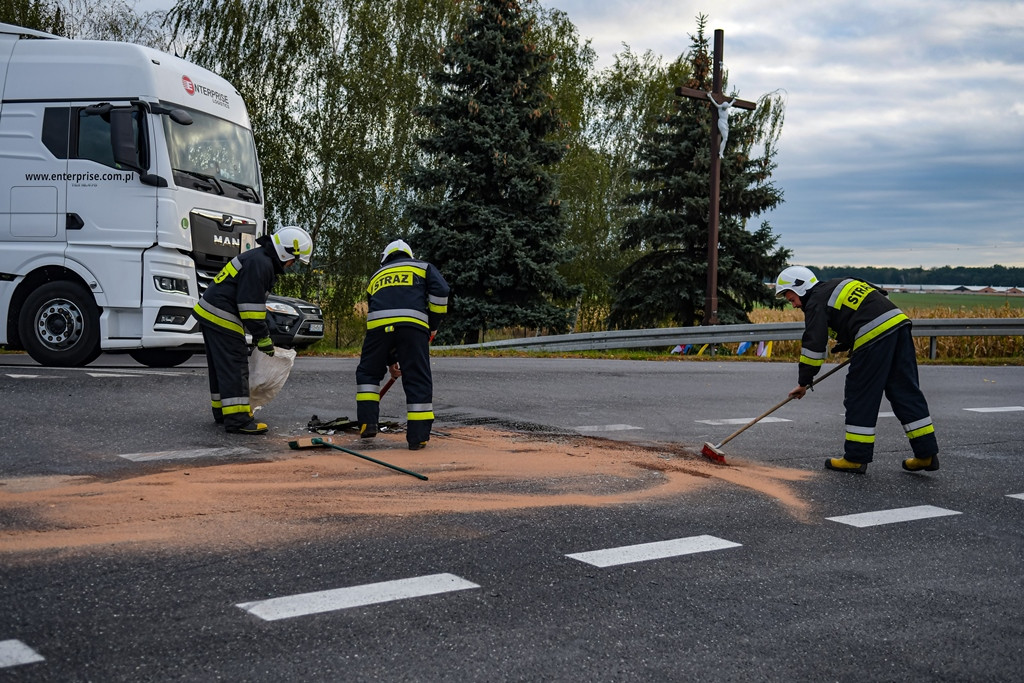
(266, 345)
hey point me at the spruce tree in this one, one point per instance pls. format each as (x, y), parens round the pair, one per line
(486, 208)
(666, 285)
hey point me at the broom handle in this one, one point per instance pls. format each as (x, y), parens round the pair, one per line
(777, 406)
(391, 381)
(321, 442)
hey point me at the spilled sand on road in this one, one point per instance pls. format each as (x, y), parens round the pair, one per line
(307, 493)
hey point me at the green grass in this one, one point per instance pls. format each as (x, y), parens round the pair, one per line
(956, 300)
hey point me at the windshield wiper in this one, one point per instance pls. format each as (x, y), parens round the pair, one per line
(211, 180)
(248, 191)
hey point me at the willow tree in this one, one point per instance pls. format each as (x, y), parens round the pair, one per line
(331, 88)
(39, 15)
(666, 284)
(622, 102)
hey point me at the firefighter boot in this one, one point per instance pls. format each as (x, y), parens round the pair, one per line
(844, 465)
(251, 427)
(916, 464)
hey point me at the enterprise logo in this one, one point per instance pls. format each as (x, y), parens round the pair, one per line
(191, 87)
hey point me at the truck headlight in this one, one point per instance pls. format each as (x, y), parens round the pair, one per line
(172, 285)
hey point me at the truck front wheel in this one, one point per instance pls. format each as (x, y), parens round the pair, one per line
(60, 325)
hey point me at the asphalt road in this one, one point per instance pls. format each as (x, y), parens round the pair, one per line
(933, 598)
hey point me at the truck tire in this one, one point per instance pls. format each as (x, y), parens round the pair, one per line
(59, 325)
(160, 358)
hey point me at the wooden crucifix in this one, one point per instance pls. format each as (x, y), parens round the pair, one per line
(719, 135)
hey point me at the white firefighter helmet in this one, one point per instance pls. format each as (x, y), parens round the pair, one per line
(291, 242)
(797, 279)
(397, 245)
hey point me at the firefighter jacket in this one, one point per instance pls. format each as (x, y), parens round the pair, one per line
(851, 311)
(237, 299)
(405, 292)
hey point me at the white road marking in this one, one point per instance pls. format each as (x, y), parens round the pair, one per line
(186, 455)
(31, 376)
(15, 652)
(886, 414)
(999, 409)
(653, 551)
(741, 420)
(910, 514)
(606, 428)
(354, 596)
(1016, 495)
(111, 374)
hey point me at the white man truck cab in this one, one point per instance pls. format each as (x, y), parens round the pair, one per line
(128, 178)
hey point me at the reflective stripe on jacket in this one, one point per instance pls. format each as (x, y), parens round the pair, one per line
(407, 292)
(852, 311)
(237, 299)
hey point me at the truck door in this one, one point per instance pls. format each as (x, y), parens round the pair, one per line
(33, 172)
(111, 213)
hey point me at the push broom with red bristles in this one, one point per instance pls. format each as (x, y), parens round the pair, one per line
(714, 452)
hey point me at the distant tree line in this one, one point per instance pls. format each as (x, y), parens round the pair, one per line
(991, 276)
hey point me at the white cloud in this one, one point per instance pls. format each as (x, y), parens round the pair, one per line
(904, 134)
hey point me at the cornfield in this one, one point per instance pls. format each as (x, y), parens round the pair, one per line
(947, 348)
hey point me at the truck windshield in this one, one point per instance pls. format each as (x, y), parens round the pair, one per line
(214, 149)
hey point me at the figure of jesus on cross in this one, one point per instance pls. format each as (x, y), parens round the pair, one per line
(719, 135)
(723, 121)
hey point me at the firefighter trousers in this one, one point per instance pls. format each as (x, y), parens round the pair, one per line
(227, 359)
(886, 366)
(411, 347)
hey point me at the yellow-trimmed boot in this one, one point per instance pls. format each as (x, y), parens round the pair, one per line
(253, 427)
(917, 464)
(844, 465)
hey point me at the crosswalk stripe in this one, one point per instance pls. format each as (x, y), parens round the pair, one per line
(909, 514)
(606, 428)
(1016, 495)
(354, 596)
(186, 455)
(15, 652)
(997, 409)
(643, 552)
(112, 374)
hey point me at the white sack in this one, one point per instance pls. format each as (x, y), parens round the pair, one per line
(267, 374)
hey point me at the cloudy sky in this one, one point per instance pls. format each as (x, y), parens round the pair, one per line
(903, 142)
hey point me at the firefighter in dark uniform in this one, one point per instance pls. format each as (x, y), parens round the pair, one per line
(407, 299)
(877, 334)
(236, 302)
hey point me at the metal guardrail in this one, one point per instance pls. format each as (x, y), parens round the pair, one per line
(721, 334)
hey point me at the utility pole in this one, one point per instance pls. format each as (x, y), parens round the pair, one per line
(721, 108)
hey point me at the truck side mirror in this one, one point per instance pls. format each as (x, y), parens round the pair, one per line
(180, 116)
(122, 138)
(126, 154)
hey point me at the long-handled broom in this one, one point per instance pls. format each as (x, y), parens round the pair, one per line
(714, 452)
(325, 442)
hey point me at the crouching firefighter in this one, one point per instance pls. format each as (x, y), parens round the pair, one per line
(236, 302)
(882, 361)
(407, 299)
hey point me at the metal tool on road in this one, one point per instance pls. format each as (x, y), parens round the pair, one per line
(323, 442)
(714, 452)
